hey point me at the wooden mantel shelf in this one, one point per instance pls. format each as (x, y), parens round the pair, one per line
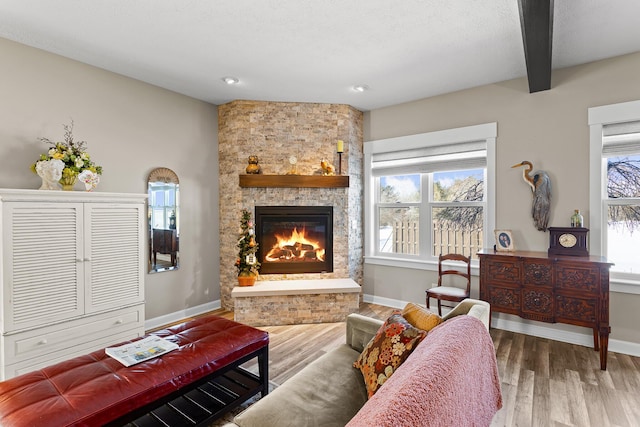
(294, 181)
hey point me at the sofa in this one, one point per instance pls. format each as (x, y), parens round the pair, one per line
(450, 378)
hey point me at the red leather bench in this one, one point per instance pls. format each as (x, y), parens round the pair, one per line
(95, 389)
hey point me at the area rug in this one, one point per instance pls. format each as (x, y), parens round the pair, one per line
(228, 417)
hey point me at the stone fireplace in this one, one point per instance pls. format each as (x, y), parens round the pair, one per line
(275, 131)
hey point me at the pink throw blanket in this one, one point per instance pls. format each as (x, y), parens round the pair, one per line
(450, 379)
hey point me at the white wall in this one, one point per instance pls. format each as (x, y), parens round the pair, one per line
(131, 127)
(547, 128)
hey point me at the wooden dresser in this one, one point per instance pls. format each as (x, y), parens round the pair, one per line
(554, 289)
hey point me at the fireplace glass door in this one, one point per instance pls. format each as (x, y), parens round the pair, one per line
(294, 239)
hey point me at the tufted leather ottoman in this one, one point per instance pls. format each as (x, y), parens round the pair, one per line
(95, 390)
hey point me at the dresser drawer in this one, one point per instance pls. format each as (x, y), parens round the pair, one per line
(538, 272)
(19, 368)
(505, 272)
(577, 311)
(504, 299)
(578, 278)
(537, 303)
(48, 340)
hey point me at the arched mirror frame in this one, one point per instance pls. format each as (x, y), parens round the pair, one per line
(163, 220)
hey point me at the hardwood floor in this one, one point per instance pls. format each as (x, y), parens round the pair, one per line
(544, 382)
(550, 383)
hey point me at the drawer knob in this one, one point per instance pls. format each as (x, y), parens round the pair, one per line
(119, 322)
(42, 341)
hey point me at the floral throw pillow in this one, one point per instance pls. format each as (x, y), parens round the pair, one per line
(386, 351)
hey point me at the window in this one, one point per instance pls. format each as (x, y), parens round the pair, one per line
(615, 189)
(457, 211)
(453, 206)
(622, 203)
(429, 194)
(398, 212)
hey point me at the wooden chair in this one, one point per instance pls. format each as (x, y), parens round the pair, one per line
(451, 293)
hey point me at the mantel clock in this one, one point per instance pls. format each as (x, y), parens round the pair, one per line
(568, 241)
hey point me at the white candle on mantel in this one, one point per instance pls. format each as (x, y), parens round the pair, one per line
(340, 146)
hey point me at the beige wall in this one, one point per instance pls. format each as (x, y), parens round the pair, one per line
(131, 127)
(547, 128)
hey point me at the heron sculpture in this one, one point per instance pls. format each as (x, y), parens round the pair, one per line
(541, 187)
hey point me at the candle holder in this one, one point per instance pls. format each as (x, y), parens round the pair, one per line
(339, 150)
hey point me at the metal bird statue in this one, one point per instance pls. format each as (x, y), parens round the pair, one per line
(541, 187)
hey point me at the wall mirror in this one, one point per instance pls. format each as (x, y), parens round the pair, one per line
(164, 220)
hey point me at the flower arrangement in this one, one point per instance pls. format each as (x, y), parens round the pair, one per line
(72, 153)
(247, 263)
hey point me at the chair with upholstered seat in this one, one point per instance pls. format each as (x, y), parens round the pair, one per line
(456, 266)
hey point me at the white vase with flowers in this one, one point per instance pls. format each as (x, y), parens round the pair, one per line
(75, 158)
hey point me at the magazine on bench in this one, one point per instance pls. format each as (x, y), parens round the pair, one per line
(141, 350)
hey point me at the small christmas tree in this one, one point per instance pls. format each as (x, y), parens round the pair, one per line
(247, 262)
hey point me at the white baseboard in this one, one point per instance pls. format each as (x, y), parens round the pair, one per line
(536, 329)
(177, 316)
(624, 347)
(387, 302)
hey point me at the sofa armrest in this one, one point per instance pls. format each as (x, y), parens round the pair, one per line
(472, 307)
(360, 330)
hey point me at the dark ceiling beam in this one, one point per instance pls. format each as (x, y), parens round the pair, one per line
(536, 21)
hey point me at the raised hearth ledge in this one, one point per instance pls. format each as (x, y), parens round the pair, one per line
(293, 302)
(296, 287)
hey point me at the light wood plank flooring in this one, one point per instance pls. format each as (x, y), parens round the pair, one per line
(544, 382)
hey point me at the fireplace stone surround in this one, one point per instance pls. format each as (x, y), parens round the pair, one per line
(274, 131)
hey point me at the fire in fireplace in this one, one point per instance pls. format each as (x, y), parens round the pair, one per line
(295, 239)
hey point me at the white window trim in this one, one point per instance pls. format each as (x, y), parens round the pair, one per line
(599, 117)
(486, 131)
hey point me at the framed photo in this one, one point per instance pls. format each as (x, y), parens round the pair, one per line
(504, 240)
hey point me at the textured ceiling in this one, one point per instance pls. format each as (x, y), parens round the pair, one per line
(315, 50)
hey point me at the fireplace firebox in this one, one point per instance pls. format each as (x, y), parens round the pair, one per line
(294, 239)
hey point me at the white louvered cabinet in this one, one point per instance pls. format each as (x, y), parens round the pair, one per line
(72, 274)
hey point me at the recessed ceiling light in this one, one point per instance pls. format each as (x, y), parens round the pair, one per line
(360, 88)
(231, 80)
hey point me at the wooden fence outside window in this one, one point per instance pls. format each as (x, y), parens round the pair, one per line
(447, 238)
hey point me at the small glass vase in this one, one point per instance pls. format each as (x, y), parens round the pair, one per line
(68, 182)
(577, 220)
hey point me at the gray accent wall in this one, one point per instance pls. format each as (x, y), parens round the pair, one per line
(131, 127)
(548, 128)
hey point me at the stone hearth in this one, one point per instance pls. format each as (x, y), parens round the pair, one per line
(292, 302)
(275, 131)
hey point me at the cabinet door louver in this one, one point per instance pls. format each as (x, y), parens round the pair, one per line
(42, 264)
(115, 254)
